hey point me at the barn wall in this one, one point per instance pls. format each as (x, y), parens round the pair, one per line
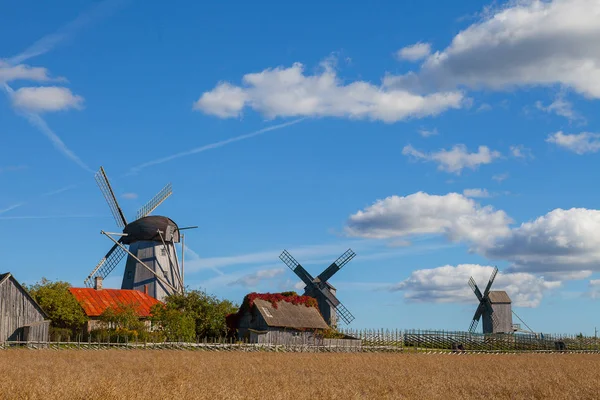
(279, 336)
(16, 310)
(37, 332)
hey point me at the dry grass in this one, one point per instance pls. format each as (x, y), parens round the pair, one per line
(164, 374)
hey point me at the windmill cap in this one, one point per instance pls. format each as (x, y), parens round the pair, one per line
(147, 229)
(499, 296)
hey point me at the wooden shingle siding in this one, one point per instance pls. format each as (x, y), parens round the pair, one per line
(20, 316)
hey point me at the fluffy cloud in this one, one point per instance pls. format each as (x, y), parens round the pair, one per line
(448, 284)
(10, 73)
(562, 241)
(561, 245)
(455, 159)
(453, 215)
(524, 43)
(46, 98)
(475, 193)
(416, 52)
(287, 92)
(580, 143)
(255, 278)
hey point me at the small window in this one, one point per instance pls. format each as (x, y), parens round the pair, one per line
(129, 275)
(163, 252)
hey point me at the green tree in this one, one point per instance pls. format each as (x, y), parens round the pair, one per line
(207, 311)
(62, 308)
(122, 317)
(172, 323)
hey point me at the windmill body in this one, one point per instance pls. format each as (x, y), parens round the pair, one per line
(326, 306)
(494, 306)
(325, 294)
(502, 311)
(149, 243)
(159, 254)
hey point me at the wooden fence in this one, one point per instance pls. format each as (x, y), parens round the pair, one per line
(368, 340)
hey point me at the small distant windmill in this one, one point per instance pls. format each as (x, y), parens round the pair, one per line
(494, 306)
(331, 308)
(152, 265)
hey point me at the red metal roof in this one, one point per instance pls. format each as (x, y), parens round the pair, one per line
(94, 302)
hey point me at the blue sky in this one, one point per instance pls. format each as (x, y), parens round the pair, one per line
(435, 141)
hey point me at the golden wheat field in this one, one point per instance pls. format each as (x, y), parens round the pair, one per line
(165, 374)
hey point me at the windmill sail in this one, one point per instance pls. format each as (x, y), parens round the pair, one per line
(106, 265)
(337, 265)
(155, 201)
(329, 305)
(109, 195)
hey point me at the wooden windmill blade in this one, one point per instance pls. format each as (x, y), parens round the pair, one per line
(476, 290)
(476, 318)
(490, 282)
(107, 264)
(109, 195)
(344, 314)
(296, 267)
(155, 201)
(337, 265)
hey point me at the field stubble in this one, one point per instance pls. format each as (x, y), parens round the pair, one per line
(164, 374)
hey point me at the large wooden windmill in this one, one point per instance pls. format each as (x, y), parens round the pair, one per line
(149, 243)
(494, 306)
(331, 308)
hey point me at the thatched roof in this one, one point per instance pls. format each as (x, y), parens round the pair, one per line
(288, 315)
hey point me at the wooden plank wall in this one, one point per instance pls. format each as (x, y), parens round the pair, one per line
(16, 310)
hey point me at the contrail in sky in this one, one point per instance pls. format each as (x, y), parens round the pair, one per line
(211, 146)
(37, 121)
(11, 208)
(49, 42)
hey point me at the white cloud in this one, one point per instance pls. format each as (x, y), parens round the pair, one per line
(428, 132)
(455, 159)
(415, 52)
(560, 241)
(453, 215)
(581, 143)
(524, 43)
(223, 101)
(288, 92)
(561, 245)
(560, 107)
(10, 73)
(520, 151)
(259, 276)
(476, 193)
(46, 98)
(448, 284)
(595, 289)
(500, 177)
(129, 196)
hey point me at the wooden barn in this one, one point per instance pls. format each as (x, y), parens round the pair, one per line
(21, 318)
(94, 301)
(281, 318)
